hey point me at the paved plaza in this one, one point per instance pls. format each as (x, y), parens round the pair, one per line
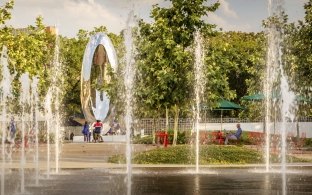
(84, 170)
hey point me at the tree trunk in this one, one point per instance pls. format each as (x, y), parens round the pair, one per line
(167, 120)
(175, 127)
(297, 127)
(153, 130)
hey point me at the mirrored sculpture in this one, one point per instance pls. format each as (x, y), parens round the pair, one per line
(98, 56)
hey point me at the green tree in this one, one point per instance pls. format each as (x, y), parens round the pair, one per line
(300, 50)
(30, 50)
(165, 60)
(5, 13)
(298, 57)
(234, 64)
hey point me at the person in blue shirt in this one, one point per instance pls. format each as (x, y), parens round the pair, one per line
(85, 132)
(234, 136)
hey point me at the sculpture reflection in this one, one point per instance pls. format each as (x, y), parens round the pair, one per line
(99, 54)
(98, 72)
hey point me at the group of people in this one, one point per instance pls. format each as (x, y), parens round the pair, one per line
(94, 129)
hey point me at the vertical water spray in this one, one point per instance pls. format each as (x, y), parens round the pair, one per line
(48, 118)
(276, 84)
(56, 91)
(272, 72)
(24, 102)
(128, 82)
(271, 75)
(52, 109)
(34, 103)
(5, 87)
(198, 88)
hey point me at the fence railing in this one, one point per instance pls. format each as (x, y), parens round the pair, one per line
(150, 125)
(184, 124)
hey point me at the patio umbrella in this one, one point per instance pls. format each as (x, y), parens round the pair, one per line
(226, 105)
(275, 95)
(261, 96)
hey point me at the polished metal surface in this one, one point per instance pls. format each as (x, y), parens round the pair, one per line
(98, 55)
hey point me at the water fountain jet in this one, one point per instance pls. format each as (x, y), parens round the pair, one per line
(128, 82)
(198, 88)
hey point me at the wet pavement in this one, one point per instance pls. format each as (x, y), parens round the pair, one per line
(164, 181)
(84, 171)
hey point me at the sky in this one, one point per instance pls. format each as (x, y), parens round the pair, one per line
(71, 15)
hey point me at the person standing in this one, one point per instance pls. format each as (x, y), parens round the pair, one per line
(116, 127)
(97, 130)
(89, 135)
(85, 132)
(234, 136)
(71, 137)
(12, 127)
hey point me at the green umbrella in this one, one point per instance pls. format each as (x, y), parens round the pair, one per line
(261, 96)
(256, 97)
(275, 95)
(226, 105)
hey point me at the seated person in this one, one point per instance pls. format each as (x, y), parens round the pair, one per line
(110, 132)
(115, 128)
(234, 136)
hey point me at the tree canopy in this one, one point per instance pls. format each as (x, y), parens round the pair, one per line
(233, 61)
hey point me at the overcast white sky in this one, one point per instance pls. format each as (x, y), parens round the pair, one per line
(72, 15)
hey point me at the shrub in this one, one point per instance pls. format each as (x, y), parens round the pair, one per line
(183, 136)
(308, 142)
(143, 140)
(185, 154)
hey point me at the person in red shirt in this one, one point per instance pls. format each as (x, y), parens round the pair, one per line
(97, 130)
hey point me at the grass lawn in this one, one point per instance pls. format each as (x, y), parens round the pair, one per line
(209, 154)
(185, 154)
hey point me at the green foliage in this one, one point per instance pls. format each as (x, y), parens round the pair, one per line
(234, 63)
(185, 155)
(183, 137)
(299, 52)
(229, 155)
(164, 60)
(143, 140)
(5, 13)
(30, 50)
(212, 154)
(274, 158)
(308, 142)
(72, 54)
